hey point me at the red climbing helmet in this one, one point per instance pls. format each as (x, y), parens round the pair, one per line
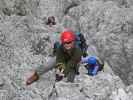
(67, 36)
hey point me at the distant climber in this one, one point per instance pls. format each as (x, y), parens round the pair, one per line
(94, 64)
(51, 21)
(68, 57)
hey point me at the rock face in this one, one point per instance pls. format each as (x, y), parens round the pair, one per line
(109, 28)
(26, 42)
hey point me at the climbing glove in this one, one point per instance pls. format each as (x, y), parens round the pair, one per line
(59, 71)
(60, 67)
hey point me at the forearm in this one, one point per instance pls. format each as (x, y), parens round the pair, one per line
(46, 67)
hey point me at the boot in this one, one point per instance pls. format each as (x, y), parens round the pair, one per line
(32, 79)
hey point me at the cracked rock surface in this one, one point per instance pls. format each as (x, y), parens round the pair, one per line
(26, 43)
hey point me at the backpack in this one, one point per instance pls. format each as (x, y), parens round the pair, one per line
(56, 46)
(93, 69)
(81, 43)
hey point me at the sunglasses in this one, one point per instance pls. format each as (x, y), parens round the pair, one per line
(68, 42)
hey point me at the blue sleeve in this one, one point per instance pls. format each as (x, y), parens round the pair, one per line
(84, 59)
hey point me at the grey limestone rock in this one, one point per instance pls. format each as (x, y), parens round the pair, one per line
(26, 42)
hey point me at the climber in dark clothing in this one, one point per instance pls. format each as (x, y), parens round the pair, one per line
(94, 64)
(51, 21)
(67, 57)
(66, 63)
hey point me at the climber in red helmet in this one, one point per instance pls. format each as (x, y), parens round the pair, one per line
(67, 57)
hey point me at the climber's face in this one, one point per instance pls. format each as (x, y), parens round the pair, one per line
(68, 45)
